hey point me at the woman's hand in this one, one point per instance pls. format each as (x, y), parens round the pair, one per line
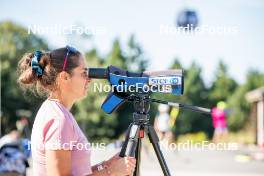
(121, 166)
(114, 158)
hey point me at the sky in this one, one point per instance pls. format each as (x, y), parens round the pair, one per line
(241, 49)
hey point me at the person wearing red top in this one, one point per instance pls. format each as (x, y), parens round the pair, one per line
(219, 122)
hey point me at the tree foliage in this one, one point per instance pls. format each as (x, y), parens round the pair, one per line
(14, 42)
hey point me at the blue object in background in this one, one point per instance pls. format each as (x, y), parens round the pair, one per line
(26, 147)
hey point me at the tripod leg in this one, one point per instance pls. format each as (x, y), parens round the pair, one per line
(130, 144)
(138, 158)
(124, 146)
(154, 139)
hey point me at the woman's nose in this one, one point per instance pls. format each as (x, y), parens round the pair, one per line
(88, 80)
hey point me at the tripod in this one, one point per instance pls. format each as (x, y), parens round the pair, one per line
(136, 131)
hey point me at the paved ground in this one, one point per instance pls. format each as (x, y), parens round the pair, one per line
(198, 163)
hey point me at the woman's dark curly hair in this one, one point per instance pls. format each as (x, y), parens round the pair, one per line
(52, 64)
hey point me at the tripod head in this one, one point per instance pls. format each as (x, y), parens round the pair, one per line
(141, 103)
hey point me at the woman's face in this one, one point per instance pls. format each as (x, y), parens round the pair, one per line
(78, 83)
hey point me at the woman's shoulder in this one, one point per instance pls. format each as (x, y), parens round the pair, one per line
(52, 115)
(52, 109)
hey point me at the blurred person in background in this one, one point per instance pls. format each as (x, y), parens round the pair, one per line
(13, 162)
(219, 116)
(173, 117)
(23, 127)
(162, 122)
(10, 138)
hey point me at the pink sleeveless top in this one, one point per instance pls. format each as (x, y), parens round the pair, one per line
(219, 118)
(55, 128)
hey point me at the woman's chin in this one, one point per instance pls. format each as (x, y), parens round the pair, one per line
(85, 91)
(82, 96)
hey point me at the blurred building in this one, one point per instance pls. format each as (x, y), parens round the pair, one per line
(256, 97)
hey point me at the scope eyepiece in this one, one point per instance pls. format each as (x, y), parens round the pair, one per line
(97, 73)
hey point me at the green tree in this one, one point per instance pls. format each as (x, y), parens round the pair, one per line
(116, 56)
(14, 42)
(136, 59)
(223, 86)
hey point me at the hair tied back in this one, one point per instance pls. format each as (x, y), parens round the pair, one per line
(35, 63)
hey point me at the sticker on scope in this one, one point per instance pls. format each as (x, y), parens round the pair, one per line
(165, 80)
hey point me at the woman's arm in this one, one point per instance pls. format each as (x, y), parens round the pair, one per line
(58, 162)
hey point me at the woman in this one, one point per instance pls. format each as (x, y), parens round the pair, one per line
(59, 147)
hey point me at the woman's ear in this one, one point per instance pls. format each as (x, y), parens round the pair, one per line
(64, 76)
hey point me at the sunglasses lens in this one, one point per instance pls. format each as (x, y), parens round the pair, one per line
(71, 49)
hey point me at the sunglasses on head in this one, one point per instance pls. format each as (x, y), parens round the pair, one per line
(69, 50)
